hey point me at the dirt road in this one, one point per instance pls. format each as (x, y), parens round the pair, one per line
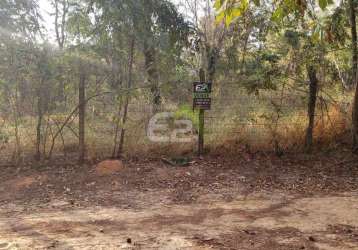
(262, 203)
(260, 221)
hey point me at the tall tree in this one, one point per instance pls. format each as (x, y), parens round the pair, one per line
(229, 10)
(352, 7)
(157, 25)
(42, 89)
(129, 86)
(61, 8)
(81, 113)
(20, 18)
(313, 90)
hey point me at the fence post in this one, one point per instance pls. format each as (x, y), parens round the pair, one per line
(201, 120)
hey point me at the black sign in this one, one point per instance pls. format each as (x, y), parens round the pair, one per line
(202, 97)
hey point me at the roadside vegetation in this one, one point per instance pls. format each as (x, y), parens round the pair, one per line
(87, 82)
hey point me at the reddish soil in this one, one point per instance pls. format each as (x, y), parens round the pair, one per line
(248, 201)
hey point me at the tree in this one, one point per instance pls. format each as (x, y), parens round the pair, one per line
(129, 86)
(313, 89)
(19, 31)
(81, 113)
(20, 18)
(157, 26)
(352, 7)
(44, 74)
(229, 10)
(61, 14)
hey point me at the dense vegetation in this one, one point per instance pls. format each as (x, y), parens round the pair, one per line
(284, 73)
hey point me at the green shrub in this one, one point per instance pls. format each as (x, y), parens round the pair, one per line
(187, 112)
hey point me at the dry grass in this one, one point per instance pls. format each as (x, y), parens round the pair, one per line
(246, 123)
(288, 133)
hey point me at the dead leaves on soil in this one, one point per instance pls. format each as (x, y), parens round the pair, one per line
(109, 167)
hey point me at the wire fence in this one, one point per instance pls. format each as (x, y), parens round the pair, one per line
(270, 116)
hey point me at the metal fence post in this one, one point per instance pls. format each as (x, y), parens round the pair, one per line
(201, 120)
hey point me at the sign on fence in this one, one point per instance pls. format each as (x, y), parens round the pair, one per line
(202, 95)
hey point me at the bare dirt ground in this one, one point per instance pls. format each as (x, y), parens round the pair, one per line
(248, 201)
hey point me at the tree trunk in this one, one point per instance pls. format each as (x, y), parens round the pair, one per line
(213, 55)
(129, 86)
(313, 89)
(153, 76)
(60, 25)
(17, 117)
(354, 74)
(39, 125)
(81, 117)
(116, 131)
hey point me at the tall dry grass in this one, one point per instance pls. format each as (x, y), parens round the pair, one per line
(263, 122)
